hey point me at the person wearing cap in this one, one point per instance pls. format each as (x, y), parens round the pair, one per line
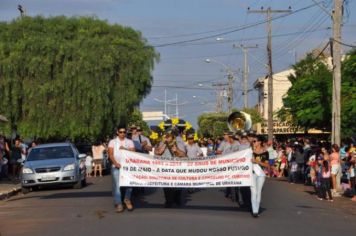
(229, 145)
(168, 149)
(146, 143)
(193, 149)
(141, 142)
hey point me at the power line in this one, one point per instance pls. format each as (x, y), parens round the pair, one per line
(311, 25)
(180, 87)
(234, 30)
(252, 38)
(198, 33)
(345, 44)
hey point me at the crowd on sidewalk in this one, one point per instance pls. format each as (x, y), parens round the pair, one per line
(11, 157)
(327, 167)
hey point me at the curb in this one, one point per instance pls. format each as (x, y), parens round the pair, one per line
(13, 191)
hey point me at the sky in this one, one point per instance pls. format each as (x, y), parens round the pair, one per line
(187, 32)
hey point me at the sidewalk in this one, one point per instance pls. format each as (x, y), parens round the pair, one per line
(342, 202)
(8, 188)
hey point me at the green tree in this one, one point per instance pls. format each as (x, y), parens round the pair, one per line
(308, 102)
(212, 124)
(348, 98)
(215, 124)
(72, 77)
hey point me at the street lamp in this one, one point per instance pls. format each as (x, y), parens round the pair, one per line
(230, 76)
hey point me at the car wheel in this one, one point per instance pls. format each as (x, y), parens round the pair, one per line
(25, 190)
(78, 185)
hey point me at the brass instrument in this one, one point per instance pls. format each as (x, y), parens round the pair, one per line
(239, 121)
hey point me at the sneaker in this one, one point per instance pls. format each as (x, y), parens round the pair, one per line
(128, 204)
(319, 198)
(119, 208)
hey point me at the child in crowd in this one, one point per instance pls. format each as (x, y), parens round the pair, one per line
(326, 181)
(293, 172)
(89, 164)
(318, 176)
(283, 164)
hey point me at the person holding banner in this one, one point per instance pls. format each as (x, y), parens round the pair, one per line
(168, 149)
(229, 145)
(115, 145)
(260, 161)
(193, 149)
(141, 142)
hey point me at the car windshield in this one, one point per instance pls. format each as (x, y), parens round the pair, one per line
(50, 153)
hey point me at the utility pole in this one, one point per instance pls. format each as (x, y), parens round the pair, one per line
(220, 87)
(246, 70)
(336, 57)
(230, 91)
(269, 12)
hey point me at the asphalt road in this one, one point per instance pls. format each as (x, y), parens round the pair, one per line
(286, 209)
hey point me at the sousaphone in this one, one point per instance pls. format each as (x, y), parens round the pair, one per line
(239, 121)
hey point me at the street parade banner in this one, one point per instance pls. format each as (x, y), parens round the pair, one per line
(142, 170)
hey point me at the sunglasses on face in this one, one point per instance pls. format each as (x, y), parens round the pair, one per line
(122, 132)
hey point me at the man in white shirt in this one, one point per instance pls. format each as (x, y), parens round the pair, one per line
(120, 142)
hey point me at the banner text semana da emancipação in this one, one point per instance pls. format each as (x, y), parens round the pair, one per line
(142, 170)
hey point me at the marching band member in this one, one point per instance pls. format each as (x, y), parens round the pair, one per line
(229, 145)
(168, 149)
(193, 149)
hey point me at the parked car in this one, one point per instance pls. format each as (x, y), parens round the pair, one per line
(85, 148)
(53, 164)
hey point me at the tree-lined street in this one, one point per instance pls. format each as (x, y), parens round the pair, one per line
(101, 94)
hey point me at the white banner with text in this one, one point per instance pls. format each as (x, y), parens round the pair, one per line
(142, 170)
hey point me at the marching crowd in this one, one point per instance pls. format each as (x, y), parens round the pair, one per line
(329, 168)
